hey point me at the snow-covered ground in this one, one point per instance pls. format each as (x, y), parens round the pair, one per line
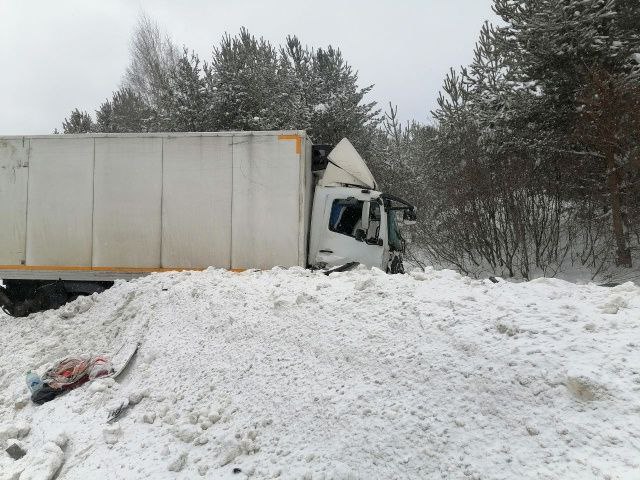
(357, 375)
(571, 270)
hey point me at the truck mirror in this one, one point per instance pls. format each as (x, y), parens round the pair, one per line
(409, 217)
(360, 235)
(366, 207)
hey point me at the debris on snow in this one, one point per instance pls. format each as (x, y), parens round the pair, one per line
(112, 433)
(15, 449)
(42, 464)
(117, 409)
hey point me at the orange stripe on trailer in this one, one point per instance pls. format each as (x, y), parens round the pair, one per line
(105, 269)
(43, 267)
(297, 138)
(138, 270)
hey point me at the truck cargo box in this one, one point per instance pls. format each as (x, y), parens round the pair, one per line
(107, 206)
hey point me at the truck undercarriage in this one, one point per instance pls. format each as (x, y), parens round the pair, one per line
(20, 298)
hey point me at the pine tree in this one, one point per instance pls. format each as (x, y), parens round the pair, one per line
(188, 103)
(126, 112)
(260, 87)
(538, 135)
(78, 122)
(300, 81)
(566, 50)
(609, 124)
(104, 118)
(247, 77)
(338, 106)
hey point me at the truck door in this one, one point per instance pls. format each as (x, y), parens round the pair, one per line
(353, 232)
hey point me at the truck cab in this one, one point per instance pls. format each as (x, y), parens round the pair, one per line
(351, 221)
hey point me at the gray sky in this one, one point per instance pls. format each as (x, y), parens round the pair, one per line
(58, 55)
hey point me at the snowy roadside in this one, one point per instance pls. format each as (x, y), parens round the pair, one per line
(574, 273)
(356, 375)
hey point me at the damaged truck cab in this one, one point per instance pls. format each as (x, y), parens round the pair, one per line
(357, 225)
(351, 220)
(78, 212)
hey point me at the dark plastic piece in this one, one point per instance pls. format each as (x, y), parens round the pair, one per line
(320, 157)
(45, 394)
(342, 268)
(15, 451)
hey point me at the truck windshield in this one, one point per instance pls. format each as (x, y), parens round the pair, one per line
(396, 242)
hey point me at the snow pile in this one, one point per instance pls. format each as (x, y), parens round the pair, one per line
(294, 374)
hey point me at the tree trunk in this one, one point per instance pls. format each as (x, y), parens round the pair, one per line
(623, 253)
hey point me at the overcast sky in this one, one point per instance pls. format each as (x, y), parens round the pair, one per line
(58, 55)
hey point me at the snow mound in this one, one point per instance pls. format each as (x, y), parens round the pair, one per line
(293, 374)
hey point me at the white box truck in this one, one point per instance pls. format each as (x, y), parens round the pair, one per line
(80, 211)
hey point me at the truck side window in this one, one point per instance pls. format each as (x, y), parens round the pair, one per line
(345, 216)
(374, 221)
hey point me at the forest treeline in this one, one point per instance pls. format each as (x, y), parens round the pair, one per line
(532, 163)
(247, 84)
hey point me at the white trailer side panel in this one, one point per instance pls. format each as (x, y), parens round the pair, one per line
(144, 202)
(266, 201)
(196, 202)
(14, 174)
(60, 202)
(127, 202)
